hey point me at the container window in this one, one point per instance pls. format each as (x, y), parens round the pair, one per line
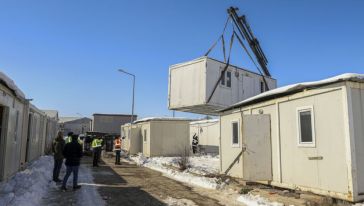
(235, 133)
(145, 135)
(222, 78)
(228, 79)
(306, 127)
(262, 87)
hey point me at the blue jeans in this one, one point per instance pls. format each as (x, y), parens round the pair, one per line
(57, 168)
(74, 170)
(117, 156)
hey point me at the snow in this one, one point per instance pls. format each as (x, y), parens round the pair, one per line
(32, 186)
(299, 86)
(10, 83)
(170, 201)
(29, 186)
(88, 194)
(162, 119)
(161, 164)
(204, 165)
(204, 121)
(256, 200)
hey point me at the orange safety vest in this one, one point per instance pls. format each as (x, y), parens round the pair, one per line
(117, 144)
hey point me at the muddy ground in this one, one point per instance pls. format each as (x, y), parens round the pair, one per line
(128, 184)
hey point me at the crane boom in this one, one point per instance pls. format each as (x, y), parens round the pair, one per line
(246, 32)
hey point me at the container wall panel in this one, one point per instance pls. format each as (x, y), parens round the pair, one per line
(357, 101)
(187, 84)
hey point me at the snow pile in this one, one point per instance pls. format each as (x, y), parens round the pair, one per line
(10, 83)
(29, 186)
(204, 165)
(161, 164)
(256, 200)
(298, 87)
(162, 119)
(170, 201)
(205, 121)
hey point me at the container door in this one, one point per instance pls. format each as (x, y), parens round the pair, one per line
(257, 155)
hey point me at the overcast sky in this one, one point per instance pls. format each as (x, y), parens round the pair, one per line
(64, 54)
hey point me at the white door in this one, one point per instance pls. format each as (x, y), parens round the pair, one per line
(257, 155)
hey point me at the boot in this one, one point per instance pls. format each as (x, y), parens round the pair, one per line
(76, 187)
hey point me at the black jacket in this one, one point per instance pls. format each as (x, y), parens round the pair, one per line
(73, 153)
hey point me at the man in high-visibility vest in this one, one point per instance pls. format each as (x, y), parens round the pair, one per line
(96, 149)
(117, 149)
(69, 137)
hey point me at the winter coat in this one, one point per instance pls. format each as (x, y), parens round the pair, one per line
(73, 153)
(58, 146)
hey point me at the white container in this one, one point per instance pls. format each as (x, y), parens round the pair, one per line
(208, 133)
(191, 83)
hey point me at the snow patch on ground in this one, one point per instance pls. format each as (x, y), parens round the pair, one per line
(29, 186)
(204, 165)
(88, 194)
(161, 164)
(170, 201)
(256, 200)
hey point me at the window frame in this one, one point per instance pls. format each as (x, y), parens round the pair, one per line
(235, 145)
(299, 110)
(228, 80)
(224, 79)
(262, 86)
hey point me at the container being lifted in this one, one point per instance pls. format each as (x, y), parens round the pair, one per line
(191, 83)
(206, 85)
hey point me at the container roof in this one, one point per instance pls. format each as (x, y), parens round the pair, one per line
(100, 114)
(11, 85)
(70, 119)
(51, 113)
(147, 119)
(204, 121)
(294, 88)
(206, 57)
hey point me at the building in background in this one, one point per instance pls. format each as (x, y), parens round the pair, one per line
(110, 123)
(77, 125)
(162, 136)
(131, 138)
(52, 128)
(208, 134)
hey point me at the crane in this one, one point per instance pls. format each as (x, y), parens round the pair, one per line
(245, 31)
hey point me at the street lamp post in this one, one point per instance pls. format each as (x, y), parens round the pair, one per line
(132, 105)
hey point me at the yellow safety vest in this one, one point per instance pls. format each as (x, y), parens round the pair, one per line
(96, 143)
(69, 139)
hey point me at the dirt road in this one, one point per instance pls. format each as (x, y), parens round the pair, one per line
(128, 184)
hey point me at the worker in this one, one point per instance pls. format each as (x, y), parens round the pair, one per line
(194, 143)
(57, 148)
(73, 153)
(117, 149)
(96, 149)
(69, 137)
